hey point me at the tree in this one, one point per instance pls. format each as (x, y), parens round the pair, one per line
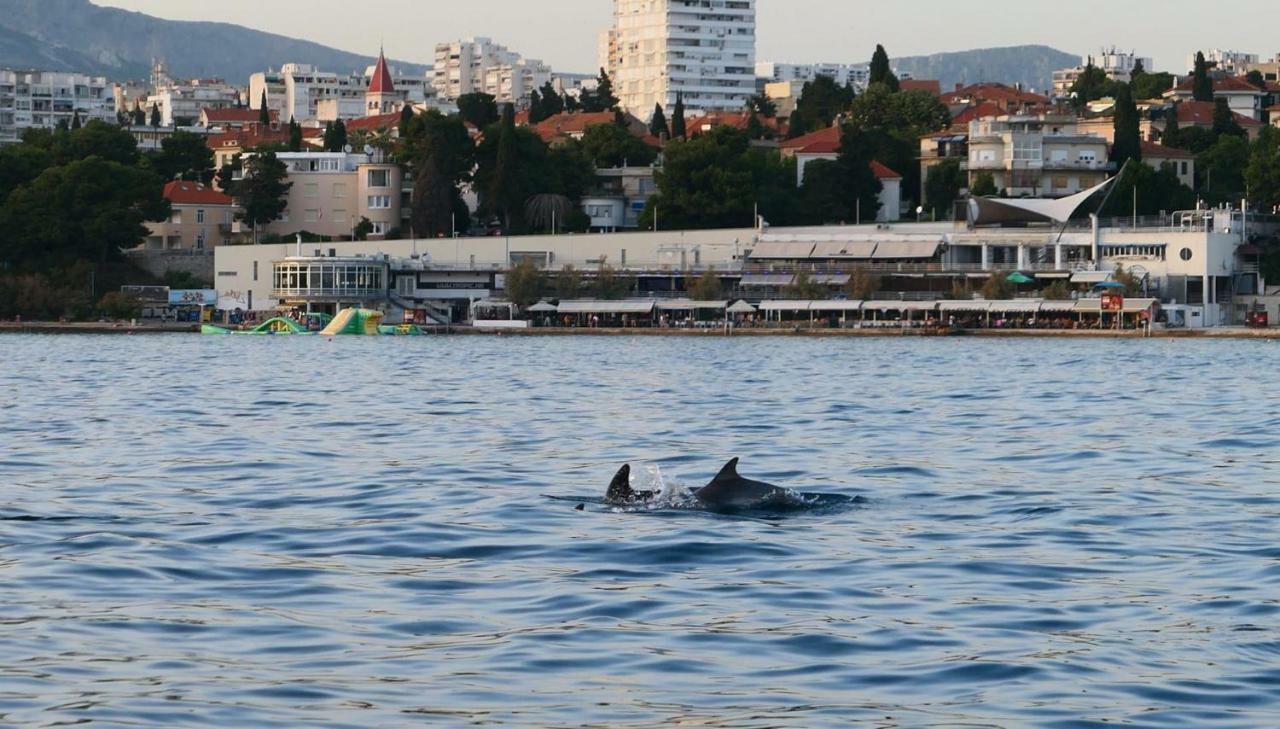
(1151, 85)
(1138, 70)
(764, 106)
(1132, 282)
(88, 209)
(406, 116)
(844, 190)
(704, 182)
(431, 212)
(997, 287)
(707, 287)
(264, 112)
(942, 188)
(262, 191)
(658, 123)
(523, 283)
(339, 136)
(863, 285)
(1224, 120)
(1157, 191)
(756, 130)
(139, 116)
(1201, 85)
(821, 101)
(1059, 290)
(1263, 172)
(295, 136)
(678, 130)
(183, 155)
(893, 124)
(1092, 84)
(478, 110)
(568, 283)
(75, 120)
(327, 139)
(155, 116)
(609, 145)
(1171, 136)
(506, 192)
(363, 229)
(602, 99)
(609, 285)
(1256, 80)
(1128, 137)
(1221, 169)
(984, 185)
(881, 73)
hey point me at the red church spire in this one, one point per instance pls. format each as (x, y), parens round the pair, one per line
(381, 83)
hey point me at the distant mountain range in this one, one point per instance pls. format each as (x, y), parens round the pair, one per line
(76, 35)
(1031, 66)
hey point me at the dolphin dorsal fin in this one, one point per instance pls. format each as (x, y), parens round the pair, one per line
(620, 487)
(730, 471)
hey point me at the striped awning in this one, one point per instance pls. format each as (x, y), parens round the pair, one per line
(690, 305)
(606, 307)
(764, 280)
(906, 249)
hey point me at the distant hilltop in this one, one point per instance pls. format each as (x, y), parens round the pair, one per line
(1031, 66)
(76, 35)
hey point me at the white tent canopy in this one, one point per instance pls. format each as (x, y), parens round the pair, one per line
(742, 307)
(1059, 210)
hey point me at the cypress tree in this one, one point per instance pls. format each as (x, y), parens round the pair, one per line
(678, 129)
(339, 136)
(1171, 128)
(536, 113)
(1224, 120)
(155, 115)
(139, 116)
(75, 120)
(881, 73)
(264, 114)
(604, 93)
(658, 124)
(505, 190)
(406, 116)
(295, 136)
(1202, 86)
(327, 140)
(1128, 144)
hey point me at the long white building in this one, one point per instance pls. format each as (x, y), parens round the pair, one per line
(303, 92)
(858, 74)
(703, 50)
(43, 100)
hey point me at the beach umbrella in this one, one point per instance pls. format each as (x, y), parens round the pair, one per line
(742, 307)
(1020, 278)
(1110, 285)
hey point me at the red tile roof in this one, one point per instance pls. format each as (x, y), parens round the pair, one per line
(238, 116)
(1151, 150)
(993, 92)
(884, 173)
(180, 192)
(1223, 84)
(251, 136)
(735, 119)
(568, 124)
(823, 141)
(373, 123)
(382, 83)
(980, 111)
(920, 84)
(1200, 114)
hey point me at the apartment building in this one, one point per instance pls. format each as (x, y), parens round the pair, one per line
(858, 74)
(702, 50)
(1117, 64)
(332, 191)
(478, 65)
(1230, 62)
(200, 218)
(1244, 98)
(1036, 155)
(181, 102)
(43, 100)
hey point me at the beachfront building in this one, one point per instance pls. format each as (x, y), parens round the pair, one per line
(44, 100)
(702, 51)
(333, 191)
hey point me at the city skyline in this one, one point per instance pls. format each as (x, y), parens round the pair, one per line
(790, 31)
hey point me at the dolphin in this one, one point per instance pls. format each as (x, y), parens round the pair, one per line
(726, 492)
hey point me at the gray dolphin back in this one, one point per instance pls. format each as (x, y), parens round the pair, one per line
(728, 490)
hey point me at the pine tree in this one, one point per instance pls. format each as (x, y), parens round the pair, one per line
(1128, 138)
(139, 116)
(264, 114)
(536, 114)
(552, 102)
(604, 93)
(658, 124)
(678, 129)
(1202, 85)
(155, 116)
(881, 73)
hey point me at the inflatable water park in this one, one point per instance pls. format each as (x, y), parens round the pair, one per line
(348, 322)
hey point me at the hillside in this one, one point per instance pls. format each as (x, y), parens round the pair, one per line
(1031, 66)
(120, 44)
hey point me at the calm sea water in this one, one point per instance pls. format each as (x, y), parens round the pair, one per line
(279, 532)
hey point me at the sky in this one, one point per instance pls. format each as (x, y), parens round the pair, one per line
(563, 32)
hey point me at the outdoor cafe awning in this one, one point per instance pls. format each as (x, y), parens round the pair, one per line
(835, 305)
(899, 305)
(765, 280)
(690, 305)
(742, 307)
(967, 306)
(1090, 277)
(786, 305)
(542, 307)
(606, 307)
(1016, 306)
(906, 249)
(846, 249)
(782, 251)
(1058, 307)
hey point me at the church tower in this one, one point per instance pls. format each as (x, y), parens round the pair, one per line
(381, 97)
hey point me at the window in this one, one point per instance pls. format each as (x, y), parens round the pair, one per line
(311, 189)
(255, 270)
(379, 178)
(200, 241)
(200, 216)
(176, 218)
(1186, 254)
(339, 190)
(379, 202)
(339, 216)
(380, 228)
(1184, 168)
(310, 216)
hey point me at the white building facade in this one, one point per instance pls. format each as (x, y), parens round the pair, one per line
(702, 50)
(302, 92)
(1117, 64)
(478, 65)
(858, 74)
(43, 100)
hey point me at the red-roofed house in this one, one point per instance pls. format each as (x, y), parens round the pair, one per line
(1199, 114)
(824, 144)
(1008, 98)
(1243, 97)
(1182, 161)
(929, 86)
(569, 125)
(739, 120)
(202, 219)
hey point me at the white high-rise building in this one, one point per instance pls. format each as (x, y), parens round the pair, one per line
(1231, 62)
(478, 65)
(858, 74)
(42, 99)
(703, 50)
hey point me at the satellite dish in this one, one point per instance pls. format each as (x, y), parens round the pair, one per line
(347, 148)
(368, 150)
